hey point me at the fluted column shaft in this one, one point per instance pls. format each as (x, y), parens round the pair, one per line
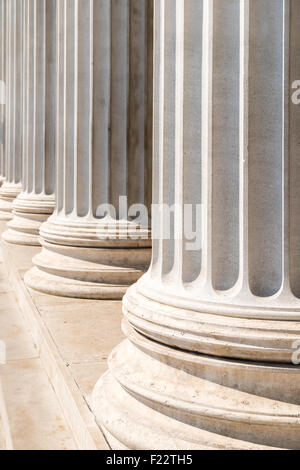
(103, 151)
(13, 131)
(36, 202)
(211, 328)
(2, 91)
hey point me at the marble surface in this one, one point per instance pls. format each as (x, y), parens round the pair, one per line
(35, 417)
(80, 335)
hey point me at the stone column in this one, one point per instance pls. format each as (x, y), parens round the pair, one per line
(103, 151)
(211, 330)
(13, 138)
(2, 89)
(36, 202)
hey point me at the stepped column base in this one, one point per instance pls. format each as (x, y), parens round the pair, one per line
(30, 211)
(76, 261)
(8, 193)
(176, 396)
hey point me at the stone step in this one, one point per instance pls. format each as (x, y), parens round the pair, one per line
(31, 417)
(5, 436)
(199, 404)
(35, 418)
(73, 339)
(2, 436)
(147, 428)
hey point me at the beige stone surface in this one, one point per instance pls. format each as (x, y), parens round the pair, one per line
(35, 416)
(5, 432)
(16, 334)
(83, 331)
(73, 337)
(28, 402)
(86, 375)
(2, 436)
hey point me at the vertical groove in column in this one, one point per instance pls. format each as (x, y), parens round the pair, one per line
(25, 94)
(207, 126)
(31, 102)
(8, 88)
(3, 80)
(149, 105)
(50, 98)
(265, 146)
(18, 93)
(225, 146)
(12, 114)
(294, 142)
(286, 156)
(99, 188)
(11, 97)
(119, 99)
(84, 105)
(40, 92)
(179, 161)
(192, 135)
(169, 124)
(7, 68)
(136, 102)
(244, 148)
(158, 137)
(70, 96)
(60, 105)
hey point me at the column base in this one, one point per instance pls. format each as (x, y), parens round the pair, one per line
(158, 396)
(67, 266)
(30, 211)
(261, 332)
(60, 284)
(155, 397)
(8, 192)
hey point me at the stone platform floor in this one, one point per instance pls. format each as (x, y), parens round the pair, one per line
(57, 348)
(31, 415)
